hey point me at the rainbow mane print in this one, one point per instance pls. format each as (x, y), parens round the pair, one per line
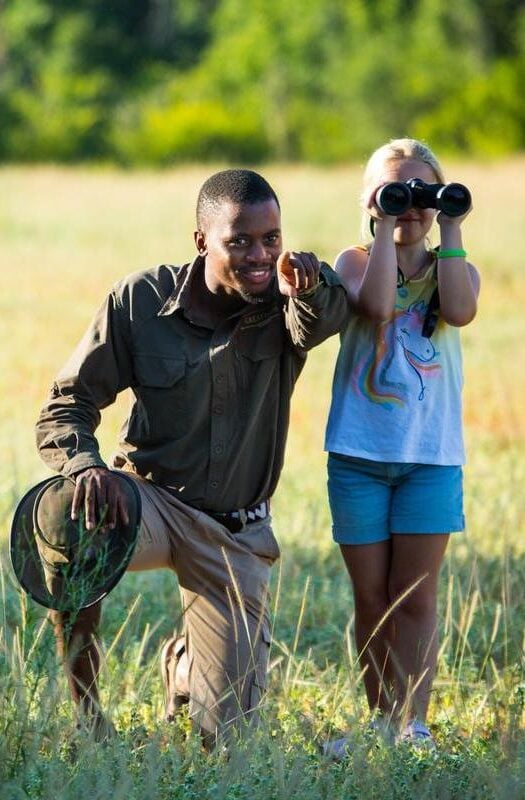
(372, 376)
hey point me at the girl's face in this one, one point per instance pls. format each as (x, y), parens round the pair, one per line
(414, 225)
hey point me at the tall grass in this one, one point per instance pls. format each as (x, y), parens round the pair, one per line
(65, 236)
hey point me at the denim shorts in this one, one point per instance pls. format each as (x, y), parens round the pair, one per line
(371, 500)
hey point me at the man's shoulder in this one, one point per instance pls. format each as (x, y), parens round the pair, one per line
(159, 280)
(145, 292)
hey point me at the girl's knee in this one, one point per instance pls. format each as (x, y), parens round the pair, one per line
(371, 606)
(418, 601)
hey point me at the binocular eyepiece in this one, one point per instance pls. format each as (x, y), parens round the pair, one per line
(394, 198)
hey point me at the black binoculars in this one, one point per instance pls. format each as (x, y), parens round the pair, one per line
(394, 198)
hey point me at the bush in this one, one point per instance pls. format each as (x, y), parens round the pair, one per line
(485, 117)
(64, 121)
(197, 131)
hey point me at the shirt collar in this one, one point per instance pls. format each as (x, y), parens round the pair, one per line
(179, 299)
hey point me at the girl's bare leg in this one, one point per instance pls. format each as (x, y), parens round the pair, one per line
(369, 566)
(415, 643)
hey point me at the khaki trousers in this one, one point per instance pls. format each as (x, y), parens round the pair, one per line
(223, 579)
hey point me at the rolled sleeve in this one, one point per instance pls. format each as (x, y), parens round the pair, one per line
(313, 316)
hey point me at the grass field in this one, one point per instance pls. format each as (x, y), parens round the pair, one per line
(65, 236)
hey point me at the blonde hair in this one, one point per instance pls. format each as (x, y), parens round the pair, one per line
(396, 150)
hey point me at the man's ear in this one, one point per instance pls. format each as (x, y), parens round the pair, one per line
(200, 242)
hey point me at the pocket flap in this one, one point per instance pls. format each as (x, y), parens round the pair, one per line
(159, 371)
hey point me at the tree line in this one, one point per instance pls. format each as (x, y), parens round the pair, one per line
(164, 81)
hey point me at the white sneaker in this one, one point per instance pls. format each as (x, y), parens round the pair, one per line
(336, 749)
(416, 734)
(339, 749)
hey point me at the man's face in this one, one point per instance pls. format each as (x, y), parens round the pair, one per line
(241, 244)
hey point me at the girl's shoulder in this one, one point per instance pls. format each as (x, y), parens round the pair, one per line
(362, 249)
(350, 265)
(352, 259)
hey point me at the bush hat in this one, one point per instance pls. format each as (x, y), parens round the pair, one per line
(57, 561)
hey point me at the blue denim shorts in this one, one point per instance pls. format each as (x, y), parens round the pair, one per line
(371, 500)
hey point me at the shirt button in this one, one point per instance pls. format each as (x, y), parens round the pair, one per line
(219, 379)
(217, 409)
(214, 484)
(218, 449)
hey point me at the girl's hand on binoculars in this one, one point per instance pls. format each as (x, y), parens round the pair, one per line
(444, 221)
(373, 209)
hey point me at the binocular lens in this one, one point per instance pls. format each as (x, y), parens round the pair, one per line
(394, 198)
(454, 200)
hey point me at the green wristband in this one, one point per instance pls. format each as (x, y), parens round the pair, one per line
(453, 253)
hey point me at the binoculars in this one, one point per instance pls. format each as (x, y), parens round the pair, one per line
(394, 198)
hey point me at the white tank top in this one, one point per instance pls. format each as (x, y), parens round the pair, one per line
(396, 395)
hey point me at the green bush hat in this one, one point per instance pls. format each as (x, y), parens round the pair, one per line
(57, 561)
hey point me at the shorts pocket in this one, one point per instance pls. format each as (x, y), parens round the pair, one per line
(260, 540)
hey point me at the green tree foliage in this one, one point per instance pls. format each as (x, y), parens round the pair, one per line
(66, 66)
(163, 81)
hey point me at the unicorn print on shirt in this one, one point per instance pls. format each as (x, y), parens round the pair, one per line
(373, 376)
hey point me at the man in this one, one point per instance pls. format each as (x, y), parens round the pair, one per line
(211, 351)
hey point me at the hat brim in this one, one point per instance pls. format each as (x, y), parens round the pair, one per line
(27, 564)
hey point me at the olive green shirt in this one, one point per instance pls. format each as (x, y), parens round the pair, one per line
(211, 401)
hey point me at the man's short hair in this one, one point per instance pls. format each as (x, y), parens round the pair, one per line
(235, 185)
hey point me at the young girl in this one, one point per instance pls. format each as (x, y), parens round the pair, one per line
(394, 436)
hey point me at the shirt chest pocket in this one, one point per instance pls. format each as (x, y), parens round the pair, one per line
(258, 371)
(158, 372)
(162, 396)
(261, 342)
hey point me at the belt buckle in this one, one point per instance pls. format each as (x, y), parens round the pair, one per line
(236, 520)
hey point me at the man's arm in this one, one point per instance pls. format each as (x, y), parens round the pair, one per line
(97, 371)
(317, 306)
(99, 368)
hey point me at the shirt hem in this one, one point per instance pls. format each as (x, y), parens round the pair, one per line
(398, 458)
